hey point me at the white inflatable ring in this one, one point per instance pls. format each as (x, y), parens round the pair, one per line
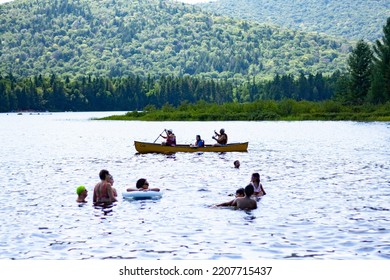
(142, 195)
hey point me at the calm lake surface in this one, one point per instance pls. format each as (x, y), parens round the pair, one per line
(327, 184)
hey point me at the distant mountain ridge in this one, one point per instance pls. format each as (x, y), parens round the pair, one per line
(351, 19)
(153, 37)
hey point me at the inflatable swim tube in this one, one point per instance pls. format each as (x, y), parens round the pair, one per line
(142, 195)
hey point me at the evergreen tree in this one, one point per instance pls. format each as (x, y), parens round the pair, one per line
(380, 90)
(359, 63)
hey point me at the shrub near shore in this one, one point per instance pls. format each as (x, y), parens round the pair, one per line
(261, 110)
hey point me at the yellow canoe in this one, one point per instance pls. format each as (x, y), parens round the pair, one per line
(145, 147)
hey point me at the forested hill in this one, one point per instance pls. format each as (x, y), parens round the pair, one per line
(353, 19)
(153, 37)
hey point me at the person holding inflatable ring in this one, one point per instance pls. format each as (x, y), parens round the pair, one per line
(143, 185)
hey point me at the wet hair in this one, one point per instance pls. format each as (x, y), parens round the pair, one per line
(256, 175)
(140, 183)
(103, 173)
(236, 163)
(240, 191)
(249, 190)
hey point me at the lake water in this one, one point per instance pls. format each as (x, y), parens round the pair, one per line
(327, 184)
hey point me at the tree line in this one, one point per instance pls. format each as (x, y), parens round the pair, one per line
(54, 93)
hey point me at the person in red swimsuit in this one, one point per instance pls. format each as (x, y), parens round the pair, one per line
(103, 192)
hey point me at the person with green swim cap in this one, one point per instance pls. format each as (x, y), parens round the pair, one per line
(82, 194)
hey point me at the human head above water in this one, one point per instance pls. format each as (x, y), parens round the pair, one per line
(141, 182)
(249, 190)
(256, 176)
(80, 189)
(240, 192)
(236, 164)
(103, 174)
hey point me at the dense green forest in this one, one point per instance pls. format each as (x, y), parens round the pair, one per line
(116, 38)
(352, 19)
(53, 93)
(362, 85)
(366, 82)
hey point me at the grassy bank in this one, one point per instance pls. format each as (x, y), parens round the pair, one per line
(261, 110)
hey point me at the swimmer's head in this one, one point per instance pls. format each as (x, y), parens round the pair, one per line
(249, 190)
(240, 192)
(141, 183)
(103, 174)
(80, 189)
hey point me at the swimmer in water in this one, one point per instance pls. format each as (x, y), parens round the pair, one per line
(82, 194)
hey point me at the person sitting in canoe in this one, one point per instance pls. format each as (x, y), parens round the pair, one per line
(221, 138)
(170, 138)
(198, 142)
(143, 185)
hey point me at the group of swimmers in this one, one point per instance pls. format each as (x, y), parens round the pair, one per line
(170, 138)
(246, 197)
(104, 192)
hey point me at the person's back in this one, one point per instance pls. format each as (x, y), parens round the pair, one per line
(103, 192)
(247, 203)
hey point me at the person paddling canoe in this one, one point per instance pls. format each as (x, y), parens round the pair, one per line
(221, 138)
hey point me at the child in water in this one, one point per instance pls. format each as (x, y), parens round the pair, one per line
(257, 186)
(239, 194)
(82, 194)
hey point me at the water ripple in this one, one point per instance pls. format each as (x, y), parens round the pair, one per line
(327, 187)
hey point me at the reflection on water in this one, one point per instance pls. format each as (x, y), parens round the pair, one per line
(327, 184)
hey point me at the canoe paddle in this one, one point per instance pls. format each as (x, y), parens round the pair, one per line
(159, 136)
